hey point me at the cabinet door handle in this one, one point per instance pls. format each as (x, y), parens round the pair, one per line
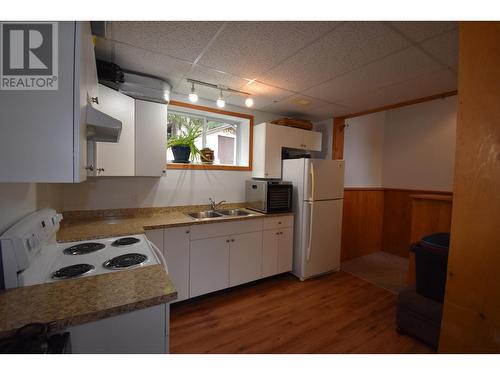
(100, 169)
(90, 168)
(232, 240)
(94, 99)
(188, 231)
(227, 240)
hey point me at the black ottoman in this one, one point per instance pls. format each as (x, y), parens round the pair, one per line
(419, 317)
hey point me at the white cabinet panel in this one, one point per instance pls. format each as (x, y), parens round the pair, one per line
(150, 138)
(269, 139)
(278, 222)
(142, 331)
(277, 251)
(209, 265)
(176, 252)
(116, 159)
(43, 133)
(312, 140)
(291, 137)
(269, 252)
(245, 258)
(225, 228)
(285, 250)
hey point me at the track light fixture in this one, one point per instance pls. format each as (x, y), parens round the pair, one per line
(220, 100)
(193, 96)
(249, 102)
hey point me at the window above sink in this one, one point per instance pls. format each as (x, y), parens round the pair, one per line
(228, 134)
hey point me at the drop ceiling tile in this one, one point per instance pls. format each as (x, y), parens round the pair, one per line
(346, 48)
(264, 95)
(425, 85)
(422, 30)
(140, 60)
(392, 69)
(180, 39)
(326, 112)
(250, 48)
(444, 48)
(292, 107)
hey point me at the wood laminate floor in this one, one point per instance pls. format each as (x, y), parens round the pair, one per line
(336, 313)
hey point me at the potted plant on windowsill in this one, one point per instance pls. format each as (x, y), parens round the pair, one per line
(183, 145)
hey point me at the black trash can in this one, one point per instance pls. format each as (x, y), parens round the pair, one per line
(431, 264)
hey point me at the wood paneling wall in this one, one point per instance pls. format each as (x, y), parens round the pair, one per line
(471, 320)
(396, 232)
(377, 219)
(362, 222)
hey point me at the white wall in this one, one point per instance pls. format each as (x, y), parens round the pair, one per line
(18, 200)
(411, 147)
(363, 150)
(419, 146)
(178, 187)
(325, 127)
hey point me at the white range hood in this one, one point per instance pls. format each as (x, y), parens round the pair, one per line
(102, 127)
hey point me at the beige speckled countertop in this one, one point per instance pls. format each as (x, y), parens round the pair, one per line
(72, 302)
(81, 225)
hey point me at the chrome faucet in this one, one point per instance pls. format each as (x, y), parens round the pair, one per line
(215, 205)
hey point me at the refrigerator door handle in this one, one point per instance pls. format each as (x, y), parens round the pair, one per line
(308, 253)
(313, 182)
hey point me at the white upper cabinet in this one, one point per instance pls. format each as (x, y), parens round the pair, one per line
(43, 132)
(141, 148)
(269, 139)
(150, 138)
(115, 159)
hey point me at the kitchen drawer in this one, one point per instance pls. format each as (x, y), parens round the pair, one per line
(225, 228)
(278, 222)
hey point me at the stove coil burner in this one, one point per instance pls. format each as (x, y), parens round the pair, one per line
(125, 241)
(125, 261)
(73, 271)
(84, 248)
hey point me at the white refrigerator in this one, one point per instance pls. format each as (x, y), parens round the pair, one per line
(318, 196)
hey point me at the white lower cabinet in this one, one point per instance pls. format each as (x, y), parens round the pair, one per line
(208, 257)
(176, 251)
(285, 250)
(269, 252)
(174, 244)
(245, 258)
(277, 248)
(208, 266)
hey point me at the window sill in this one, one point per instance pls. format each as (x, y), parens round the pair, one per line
(208, 167)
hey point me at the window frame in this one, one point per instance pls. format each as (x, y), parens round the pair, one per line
(250, 118)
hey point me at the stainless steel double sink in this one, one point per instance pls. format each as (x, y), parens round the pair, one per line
(210, 214)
